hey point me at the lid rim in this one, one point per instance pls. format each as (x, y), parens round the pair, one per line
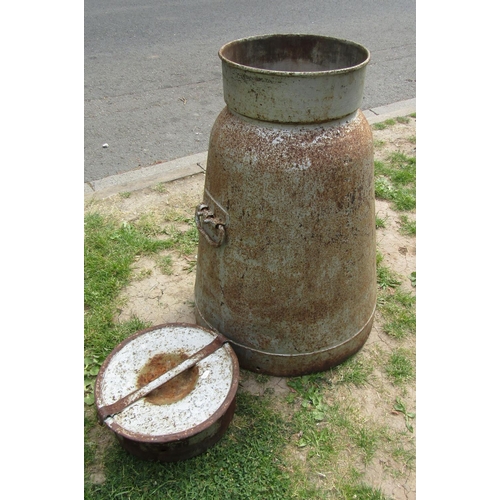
(192, 431)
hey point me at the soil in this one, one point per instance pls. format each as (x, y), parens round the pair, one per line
(159, 298)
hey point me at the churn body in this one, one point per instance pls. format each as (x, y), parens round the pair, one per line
(287, 254)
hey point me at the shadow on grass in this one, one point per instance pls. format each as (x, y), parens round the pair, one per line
(245, 464)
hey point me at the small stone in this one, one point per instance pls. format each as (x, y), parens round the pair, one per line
(105, 145)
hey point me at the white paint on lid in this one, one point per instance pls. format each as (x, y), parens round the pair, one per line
(210, 391)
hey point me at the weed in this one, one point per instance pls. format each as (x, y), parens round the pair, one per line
(367, 440)
(125, 194)
(108, 254)
(379, 222)
(191, 264)
(342, 437)
(90, 371)
(186, 242)
(355, 370)
(159, 188)
(309, 388)
(400, 367)
(383, 125)
(408, 226)
(361, 492)
(400, 407)
(395, 181)
(403, 168)
(319, 441)
(405, 456)
(402, 119)
(262, 379)
(384, 190)
(165, 264)
(399, 312)
(110, 250)
(404, 199)
(174, 215)
(143, 273)
(378, 143)
(148, 224)
(412, 139)
(386, 277)
(413, 278)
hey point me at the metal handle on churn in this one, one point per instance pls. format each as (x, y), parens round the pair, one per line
(211, 227)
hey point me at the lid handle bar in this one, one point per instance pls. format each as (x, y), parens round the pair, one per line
(118, 406)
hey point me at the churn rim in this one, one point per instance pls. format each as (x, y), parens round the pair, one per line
(307, 74)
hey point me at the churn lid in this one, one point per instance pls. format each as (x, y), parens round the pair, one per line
(179, 408)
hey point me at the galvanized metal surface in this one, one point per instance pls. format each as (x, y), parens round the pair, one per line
(193, 420)
(293, 78)
(293, 285)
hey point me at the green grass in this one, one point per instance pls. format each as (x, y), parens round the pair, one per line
(386, 277)
(356, 371)
(379, 222)
(331, 431)
(149, 225)
(165, 264)
(110, 249)
(402, 119)
(362, 492)
(390, 122)
(398, 309)
(383, 125)
(395, 181)
(159, 188)
(245, 464)
(367, 440)
(408, 226)
(400, 367)
(185, 242)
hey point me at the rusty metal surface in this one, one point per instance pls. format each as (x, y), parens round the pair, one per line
(293, 286)
(293, 78)
(185, 447)
(196, 411)
(293, 365)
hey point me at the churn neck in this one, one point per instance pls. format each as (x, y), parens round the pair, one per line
(293, 78)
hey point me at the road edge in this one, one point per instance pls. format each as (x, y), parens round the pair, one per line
(195, 164)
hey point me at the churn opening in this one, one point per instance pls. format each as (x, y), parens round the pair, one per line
(295, 53)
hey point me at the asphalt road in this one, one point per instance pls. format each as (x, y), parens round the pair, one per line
(153, 84)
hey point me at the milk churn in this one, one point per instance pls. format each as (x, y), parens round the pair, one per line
(286, 257)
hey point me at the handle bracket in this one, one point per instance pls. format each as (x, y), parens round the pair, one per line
(211, 227)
